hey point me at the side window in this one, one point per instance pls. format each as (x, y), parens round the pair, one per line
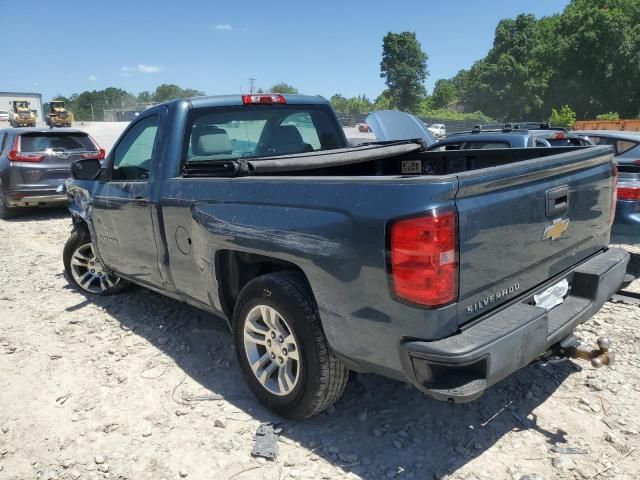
(132, 157)
(3, 142)
(600, 140)
(303, 123)
(623, 146)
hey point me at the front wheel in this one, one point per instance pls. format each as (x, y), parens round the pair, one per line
(283, 353)
(85, 270)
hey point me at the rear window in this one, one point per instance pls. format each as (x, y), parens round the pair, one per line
(226, 133)
(57, 142)
(4, 112)
(621, 146)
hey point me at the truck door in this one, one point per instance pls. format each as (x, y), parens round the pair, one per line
(122, 206)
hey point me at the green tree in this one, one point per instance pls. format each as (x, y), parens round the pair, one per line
(444, 93)
(90, 105)
(383, 101)
(283, 88)
(510, 82)
(404, 68)
(340, 104)
(565, 117)
(589, 54)
(608, 116)
(597, 57)
(351, 107)
(166, 92)
(145, 97)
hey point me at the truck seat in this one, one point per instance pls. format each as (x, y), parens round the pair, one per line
(208, 141)
(286, 139)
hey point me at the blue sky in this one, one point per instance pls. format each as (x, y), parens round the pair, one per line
(215, 46)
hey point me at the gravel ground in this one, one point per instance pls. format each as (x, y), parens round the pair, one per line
(138, 386)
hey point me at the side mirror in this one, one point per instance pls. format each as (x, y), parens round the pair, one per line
(86, 169)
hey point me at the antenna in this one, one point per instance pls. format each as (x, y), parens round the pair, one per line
(252, 82)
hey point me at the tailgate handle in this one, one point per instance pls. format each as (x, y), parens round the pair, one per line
(557, 200)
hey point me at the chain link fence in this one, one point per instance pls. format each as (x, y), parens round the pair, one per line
(123, 114)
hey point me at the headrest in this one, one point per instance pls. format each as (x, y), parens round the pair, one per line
(209, 140)
(287, 134)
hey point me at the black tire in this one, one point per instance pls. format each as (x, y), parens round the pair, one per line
(6, 211)
(77, 240)
(322, 376)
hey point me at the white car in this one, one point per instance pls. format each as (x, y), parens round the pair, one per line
(4, 116)
(438, 130)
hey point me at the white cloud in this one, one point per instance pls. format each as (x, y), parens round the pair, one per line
(93, 78)
(142, 68)
(148, 68)
(223, 27)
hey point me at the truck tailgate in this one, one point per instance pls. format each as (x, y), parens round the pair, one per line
(522, 224)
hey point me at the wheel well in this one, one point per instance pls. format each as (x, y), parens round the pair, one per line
(236, 269)
(80, 225)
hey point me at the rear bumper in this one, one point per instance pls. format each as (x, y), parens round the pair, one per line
(32, 198)
(463, 366)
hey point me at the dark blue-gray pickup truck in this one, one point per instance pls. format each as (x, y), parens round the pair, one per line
(449, 270)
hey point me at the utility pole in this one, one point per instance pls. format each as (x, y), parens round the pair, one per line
(93, 118)
(252, 81)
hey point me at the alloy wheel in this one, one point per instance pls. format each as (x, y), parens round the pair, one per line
(272, 350)
(88, 272)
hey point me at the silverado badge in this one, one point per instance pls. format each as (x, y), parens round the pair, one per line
(556, 229)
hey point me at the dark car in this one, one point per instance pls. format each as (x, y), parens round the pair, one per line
(489, 139)
(449, 270)
(626, 227)
(35, 162)
(561, 138)
(625, 144)
(511, 135)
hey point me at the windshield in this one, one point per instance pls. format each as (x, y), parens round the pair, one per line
(260, 131)
(57, 142)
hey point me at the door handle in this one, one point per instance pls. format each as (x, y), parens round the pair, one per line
(557, 200)
(140, 201)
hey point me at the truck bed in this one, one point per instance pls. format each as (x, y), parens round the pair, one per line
(405, 158)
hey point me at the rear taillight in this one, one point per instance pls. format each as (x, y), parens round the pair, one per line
(614, 194)
(636, 162)
(95, 156)
(424, 258)
(15, 155)
(262, 99)
(629, 193)
(628, 189)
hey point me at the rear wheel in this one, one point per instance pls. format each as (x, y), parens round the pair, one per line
(85, 270)
(5, 210)
(283, 353)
